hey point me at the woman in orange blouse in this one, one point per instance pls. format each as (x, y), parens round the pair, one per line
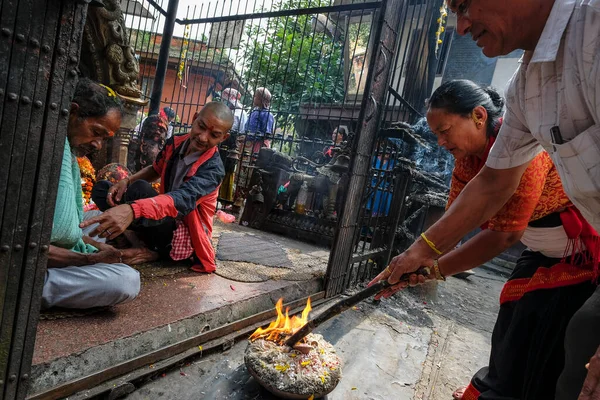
(546, 287)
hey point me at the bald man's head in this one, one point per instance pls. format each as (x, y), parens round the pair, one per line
(210, 128)
(219, 110)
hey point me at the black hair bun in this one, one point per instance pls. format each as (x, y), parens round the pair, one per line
(497, 99)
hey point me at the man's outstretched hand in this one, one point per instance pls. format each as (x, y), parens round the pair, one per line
(112, 222)
(591, 385)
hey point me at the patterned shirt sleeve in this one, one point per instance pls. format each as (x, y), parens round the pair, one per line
(514, 145)
(464, 170)
(539, 193)
(456, 186)
(518, 210)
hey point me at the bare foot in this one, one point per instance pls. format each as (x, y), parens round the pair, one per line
(139, 256)
(459, 393)
(133, 238)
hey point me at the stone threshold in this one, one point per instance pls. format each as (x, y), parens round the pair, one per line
(69, 350)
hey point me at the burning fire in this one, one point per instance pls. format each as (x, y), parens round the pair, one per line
(283, 326)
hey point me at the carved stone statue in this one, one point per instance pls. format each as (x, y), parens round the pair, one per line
(106, 55)
(108, 58)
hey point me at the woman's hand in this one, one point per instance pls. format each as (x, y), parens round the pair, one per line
(116, 192)
(410, 261)
(112, 222)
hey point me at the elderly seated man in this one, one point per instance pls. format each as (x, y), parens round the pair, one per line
(84, 272)
(177, 223)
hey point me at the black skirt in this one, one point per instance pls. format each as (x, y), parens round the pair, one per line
(527, 354)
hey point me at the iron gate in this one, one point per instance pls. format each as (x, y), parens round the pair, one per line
(382, 172)
(39, 51)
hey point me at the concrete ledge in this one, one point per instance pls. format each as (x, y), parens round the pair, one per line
(67, 368)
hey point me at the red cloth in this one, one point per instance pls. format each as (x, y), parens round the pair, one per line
(199, 222)
(471, 393)
(582, 237)
(572, 270)
(181, 245)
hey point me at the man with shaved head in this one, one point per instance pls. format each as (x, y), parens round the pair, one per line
(178, 222)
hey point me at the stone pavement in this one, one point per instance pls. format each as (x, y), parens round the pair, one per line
(421, 344)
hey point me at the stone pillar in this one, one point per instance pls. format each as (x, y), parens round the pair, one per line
(120, 142)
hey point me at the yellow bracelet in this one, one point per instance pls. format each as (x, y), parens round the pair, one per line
(430, 244)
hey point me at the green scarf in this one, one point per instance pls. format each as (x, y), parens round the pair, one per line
(68, 212)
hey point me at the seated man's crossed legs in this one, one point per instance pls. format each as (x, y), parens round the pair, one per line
(96, 285)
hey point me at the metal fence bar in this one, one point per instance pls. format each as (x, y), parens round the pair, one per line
(157, 7)
(370, 116)
(283, 13)
(402, 183)
(163, 57)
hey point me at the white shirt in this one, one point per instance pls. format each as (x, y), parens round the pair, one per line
(239, 120)
(558, 84)
(551, 242)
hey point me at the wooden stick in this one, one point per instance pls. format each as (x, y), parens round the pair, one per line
(345, 304)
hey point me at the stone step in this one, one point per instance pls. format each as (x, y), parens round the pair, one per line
(168, 311)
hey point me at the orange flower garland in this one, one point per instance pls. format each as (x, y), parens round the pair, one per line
(88, 178)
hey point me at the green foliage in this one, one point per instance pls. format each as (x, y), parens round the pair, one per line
(359, 34)
(297, 64)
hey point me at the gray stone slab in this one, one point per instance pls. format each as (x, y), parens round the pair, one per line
(251, 248)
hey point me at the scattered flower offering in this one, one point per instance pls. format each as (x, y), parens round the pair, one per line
(312, 368)
(88, 178)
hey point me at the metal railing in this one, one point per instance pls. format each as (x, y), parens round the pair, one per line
(308, 53)
(382, 207)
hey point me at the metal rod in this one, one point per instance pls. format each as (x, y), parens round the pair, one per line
(402, 100)
(345, 304)
(284, 13)
(157, 7)
(401, 185)
(163, 58)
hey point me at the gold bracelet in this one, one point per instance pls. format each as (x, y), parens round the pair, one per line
(437, 272)
(430, 244)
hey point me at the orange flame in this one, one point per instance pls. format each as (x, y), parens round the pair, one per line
(283, 326)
